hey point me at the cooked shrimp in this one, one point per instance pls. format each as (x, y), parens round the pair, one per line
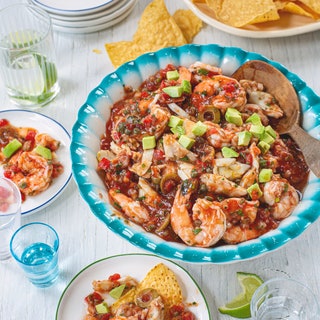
(238, 234)
(204, 228)
(280, 196)
(221, 92)
(47, 141)
(156, 309)
(184, 74)
(218, 137)
(159, 119)
(150, 196)
(221, 185)
(250, 108)
(32, 173)
(107, 285)
(134, 210)
(131, 311)
(263, 99)
(240, 210)
(251, 176)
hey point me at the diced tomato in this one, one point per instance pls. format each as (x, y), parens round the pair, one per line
(188, 316)
(114, 277)
(144, 94)
(233, 205)
(176, 310)
(3, 122)
(255, 195)
(158, 155)
(93, 298)
(104, 164)
(229, 87)
(212, 131)
(105, 316)
(31, 135)
(147, 121)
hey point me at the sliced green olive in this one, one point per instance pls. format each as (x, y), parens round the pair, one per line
(146, 296)
(210, 113)
(164, 223)
(165, 185)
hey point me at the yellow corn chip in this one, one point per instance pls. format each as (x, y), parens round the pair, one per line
(128, 297)
(162, 279)
(156, 29)
(314, 5)
(241, 13)
(188, 23)
(296, 9)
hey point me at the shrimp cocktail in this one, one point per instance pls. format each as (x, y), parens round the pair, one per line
(192, 156)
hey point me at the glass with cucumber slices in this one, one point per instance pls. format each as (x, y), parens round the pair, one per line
(27, 59)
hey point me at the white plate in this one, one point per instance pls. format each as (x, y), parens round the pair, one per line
(94, 28)
(94, 22)
(73, 7)
(288, 25)
(71, 305)
(43, 124)
(90, 16)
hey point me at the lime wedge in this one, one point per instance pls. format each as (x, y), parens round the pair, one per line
(239, 307)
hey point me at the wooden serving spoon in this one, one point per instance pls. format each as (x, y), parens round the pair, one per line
(281, 88)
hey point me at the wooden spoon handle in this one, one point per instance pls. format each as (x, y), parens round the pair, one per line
(309, 146)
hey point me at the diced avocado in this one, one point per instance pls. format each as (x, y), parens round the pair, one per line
(186, 142)
(148, 142)
(173, 75)
(257, 130)
(186, 86)
(173, 91)
(244, 138)
(13, 146)
(270, 131)
(43, 152)
(266, 137)
(178, 131)
(233, 116)
(254, 191)
(116, 292)
(254, 119)
(199, 129)
(264, 147)
(102, 308)
(229, 153)
(265, 175)
(175, 121)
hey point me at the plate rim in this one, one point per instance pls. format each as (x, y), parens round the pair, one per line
(314, 26)
(66, 182)
(225, 254)
(127, 255)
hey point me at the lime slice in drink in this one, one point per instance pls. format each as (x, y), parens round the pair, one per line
(23, 38)
(239, 307)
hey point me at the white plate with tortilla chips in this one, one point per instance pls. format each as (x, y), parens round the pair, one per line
(289, 24)
(71, 304)
(44, 124)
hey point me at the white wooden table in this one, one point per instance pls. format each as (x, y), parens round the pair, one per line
(84, 238)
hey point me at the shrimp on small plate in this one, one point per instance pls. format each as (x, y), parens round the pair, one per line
(31, 172)
(207, 224)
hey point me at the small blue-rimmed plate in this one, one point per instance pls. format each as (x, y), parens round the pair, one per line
(44, 124)
(90, 126)
(71, 305)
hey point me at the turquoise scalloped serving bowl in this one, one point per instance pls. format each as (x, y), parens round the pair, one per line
(90, 125)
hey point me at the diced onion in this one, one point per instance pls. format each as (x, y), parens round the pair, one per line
(179, 111)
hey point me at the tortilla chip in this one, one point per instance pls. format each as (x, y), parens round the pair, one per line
(297, 9)
(314, 5)
(241, 13)
(188, 23)
(162, 279)
(128, 297)
(156, 29)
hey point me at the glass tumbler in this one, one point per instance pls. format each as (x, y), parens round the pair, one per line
(284, 298)
(10, 214)
(27, 55)
(35, 247)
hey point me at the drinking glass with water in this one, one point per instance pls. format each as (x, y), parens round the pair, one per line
(35, 247)
(27, 57)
